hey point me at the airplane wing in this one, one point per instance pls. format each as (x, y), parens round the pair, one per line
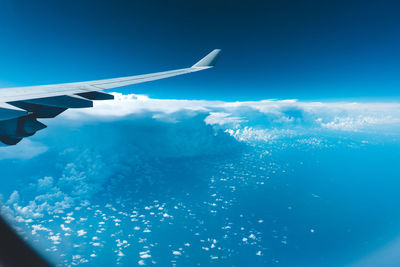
(20, 107)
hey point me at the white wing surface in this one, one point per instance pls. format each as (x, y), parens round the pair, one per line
(20, 107)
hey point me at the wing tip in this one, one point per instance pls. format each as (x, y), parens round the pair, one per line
(209, 60)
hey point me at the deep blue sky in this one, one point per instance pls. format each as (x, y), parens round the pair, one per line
(311, 50)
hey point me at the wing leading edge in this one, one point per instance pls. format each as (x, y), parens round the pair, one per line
(20, 107)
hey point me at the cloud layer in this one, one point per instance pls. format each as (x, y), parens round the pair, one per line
(342, 116)
(130, 169)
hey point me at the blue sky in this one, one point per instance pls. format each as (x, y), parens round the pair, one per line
(309, 50)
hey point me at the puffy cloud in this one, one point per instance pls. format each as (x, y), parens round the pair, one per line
(124, 105)
(222, 118)
(88, 160)
(143, 129)
(136, 142)
(81, 232)
(339, 116)
(14, 198)
(45, 184)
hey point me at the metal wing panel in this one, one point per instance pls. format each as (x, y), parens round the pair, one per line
(20, 107)
(42, 91)
(125, 81)
(8, 111)
(97, 95)
(62, 101)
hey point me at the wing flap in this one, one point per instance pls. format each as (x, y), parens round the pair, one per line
(8, 111)
(40, 111)
(63, 101)
(97, 96)
(20, 107)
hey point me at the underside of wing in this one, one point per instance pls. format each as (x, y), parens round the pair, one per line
(21, 107)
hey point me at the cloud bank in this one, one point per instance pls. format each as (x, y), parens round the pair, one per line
(342, 116)
(134, 164)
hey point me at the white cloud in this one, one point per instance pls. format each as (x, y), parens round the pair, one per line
(64, 228)
(45, 184)
(26, 149)
(39, 227)
(222, 118)
(172, 128)
(81, 232)
(280, 114)
(55, 238)
(200, 131)
(14, 198)
(124, 105)
(176, 253)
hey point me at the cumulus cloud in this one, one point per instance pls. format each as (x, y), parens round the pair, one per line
(134, 140)
(88, 160)
(124, 105)
(141, 128)
(265, 114)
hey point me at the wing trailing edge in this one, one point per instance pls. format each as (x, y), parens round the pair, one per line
(20, 107)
